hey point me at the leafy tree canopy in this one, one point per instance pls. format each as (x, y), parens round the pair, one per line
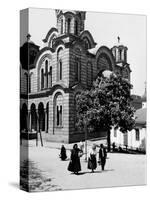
(106, 105)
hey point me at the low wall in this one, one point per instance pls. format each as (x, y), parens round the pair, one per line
(76, 137)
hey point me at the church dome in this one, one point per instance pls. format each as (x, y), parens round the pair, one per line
(70, 22)
(28, 53)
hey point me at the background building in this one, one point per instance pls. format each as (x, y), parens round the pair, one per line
(135, 139)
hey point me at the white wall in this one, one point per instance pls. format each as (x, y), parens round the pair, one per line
(132, 142)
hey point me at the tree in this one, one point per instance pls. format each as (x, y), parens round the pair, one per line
(106, 105)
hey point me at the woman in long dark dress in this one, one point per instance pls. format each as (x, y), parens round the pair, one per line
(74, 164)
(63, 155)
(92, 163)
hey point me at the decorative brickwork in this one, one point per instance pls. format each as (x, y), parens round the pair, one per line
(69, 63)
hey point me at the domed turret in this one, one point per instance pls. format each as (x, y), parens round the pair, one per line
(70, 22)
(28, 53)
(120, 52)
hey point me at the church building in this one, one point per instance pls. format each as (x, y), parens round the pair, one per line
(52, 76)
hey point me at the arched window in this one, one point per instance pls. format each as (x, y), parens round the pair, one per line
(26, 83)
(52, 40)
(60, 70)
(50, 77)
(24, 117)
(114, 52)
(42, 78)
(120, 52)
(87, 43)
(47, 117)
(41, 116)
(59, 64)
(77, 65)
(33, 117)
(77, 95)
(61, 31)
(76, 27)
(77, 70)
(58, 110)
(30, 83)
(68, 25)
(103, 63)
(59, 116)
(125, 56)
(89, 74)
(46, 73)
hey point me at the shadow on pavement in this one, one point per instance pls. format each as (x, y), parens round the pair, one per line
(95, 172)
(108, 170)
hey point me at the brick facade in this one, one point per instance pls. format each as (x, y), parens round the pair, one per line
(68, 63)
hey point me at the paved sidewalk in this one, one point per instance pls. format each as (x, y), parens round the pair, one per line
(120, 170)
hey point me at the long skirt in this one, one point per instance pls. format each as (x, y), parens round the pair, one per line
(74, 165)
(92, 164)
(63, 156)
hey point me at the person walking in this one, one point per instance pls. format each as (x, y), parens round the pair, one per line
(102, 156)
(74, 164)
(92, 163)
(63, 155)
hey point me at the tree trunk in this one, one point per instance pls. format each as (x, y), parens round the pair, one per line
(108, 141)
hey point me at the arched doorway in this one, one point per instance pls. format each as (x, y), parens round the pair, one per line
(33, 117)
(41, 117)
(24, 117)
(58, 111)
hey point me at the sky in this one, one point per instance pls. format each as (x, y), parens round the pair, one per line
(105, 28)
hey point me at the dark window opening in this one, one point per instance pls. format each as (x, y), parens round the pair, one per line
(115, 132)
(50, 77)
(137, 134)
(68, 25)
(30, 83)
(89, 74)
(42, 78)
(59, 115)
(26, 78)
(46, 73)
(76, 27)
(77, 71)
(120, 51)
(60, 70)
(61, 26)
(125, 56)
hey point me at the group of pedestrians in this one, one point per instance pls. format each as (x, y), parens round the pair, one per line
(92, 157)
(75, 165)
